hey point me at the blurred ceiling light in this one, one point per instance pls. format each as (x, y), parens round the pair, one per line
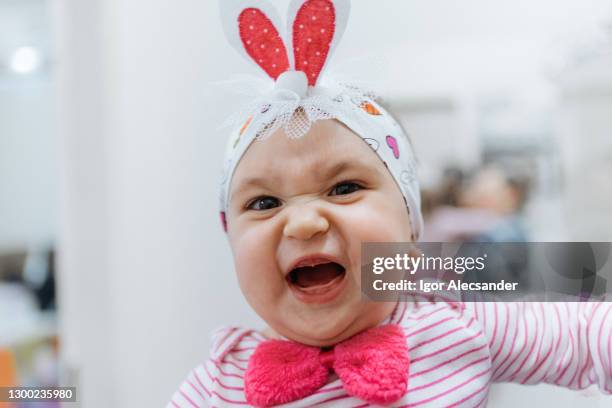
(25, 60)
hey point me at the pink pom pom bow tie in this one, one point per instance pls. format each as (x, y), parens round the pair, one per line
(372, 365)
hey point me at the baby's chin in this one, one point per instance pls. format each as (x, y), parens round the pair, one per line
(323, 330)
(318, 338)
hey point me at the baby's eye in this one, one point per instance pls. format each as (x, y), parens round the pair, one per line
(346, 187)
(263, 203)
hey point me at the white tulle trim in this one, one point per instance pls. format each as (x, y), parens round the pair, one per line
(280, 108)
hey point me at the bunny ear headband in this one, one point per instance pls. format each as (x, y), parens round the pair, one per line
(293, 63)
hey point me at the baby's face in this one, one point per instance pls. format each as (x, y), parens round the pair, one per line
(299, 211)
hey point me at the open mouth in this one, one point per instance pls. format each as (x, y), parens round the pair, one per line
(318, 282)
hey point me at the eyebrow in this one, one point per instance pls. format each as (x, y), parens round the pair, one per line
(321, 174)
(335, 169)
(347, 165)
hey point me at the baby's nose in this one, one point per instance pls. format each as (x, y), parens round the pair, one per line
(305, 221)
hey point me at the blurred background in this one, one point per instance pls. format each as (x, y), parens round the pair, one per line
(112, 258)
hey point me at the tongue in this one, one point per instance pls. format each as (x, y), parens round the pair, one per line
(310, 276)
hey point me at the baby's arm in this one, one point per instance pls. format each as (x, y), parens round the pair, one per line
(567, 344)
(218, 381)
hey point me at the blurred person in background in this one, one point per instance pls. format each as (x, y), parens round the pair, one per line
(484, 207)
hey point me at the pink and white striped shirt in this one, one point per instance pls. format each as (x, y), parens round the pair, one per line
(456, 351)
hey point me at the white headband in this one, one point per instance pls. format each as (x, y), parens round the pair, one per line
(316, 27)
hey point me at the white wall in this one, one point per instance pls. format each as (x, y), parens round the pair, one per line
(144, 263)
(28, 172)
(585, 128)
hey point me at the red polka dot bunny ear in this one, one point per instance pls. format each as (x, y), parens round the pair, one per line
(251, 27)
(316, 27)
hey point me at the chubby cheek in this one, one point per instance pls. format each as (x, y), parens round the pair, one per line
(379, 218)
(260, 279)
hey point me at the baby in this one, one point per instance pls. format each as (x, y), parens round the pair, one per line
(312, 174)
